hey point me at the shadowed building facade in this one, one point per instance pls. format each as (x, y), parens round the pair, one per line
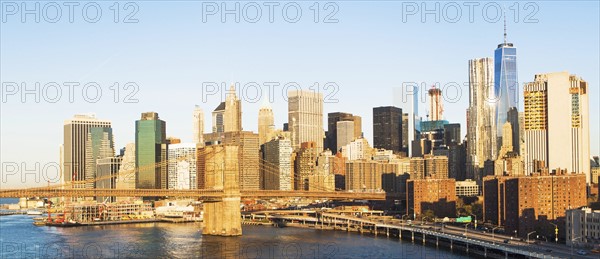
(387, 128)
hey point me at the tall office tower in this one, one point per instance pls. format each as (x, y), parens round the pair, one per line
(323, 179)
(107, 170)
(198, 125)
(456, 162)
(507, 140)
(405, 137)
(557, 131)
(248, 157)
(266, 123)
(345, 133)
(452, 134)
(387, 128)
(182, 160)
(481, 124)
(357, 126)
(150, 135)
(126, 174)
(74, 146)
(506, 85)
(331, 137)
(436, 108)
(277, 165)
(218, 119)
(513, 118)
(233, 112)
(305, 164)
(99, 145)
(332, 131)
(407, 98)
(305, 118)
(521, 134)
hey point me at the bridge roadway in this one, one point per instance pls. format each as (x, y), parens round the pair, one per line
(202, 193)
(454, 235)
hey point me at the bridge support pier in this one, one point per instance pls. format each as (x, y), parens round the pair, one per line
(361, 227)
(348, 226)
(223, 218)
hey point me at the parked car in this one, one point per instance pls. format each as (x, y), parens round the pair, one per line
(506, 241)
(581, 252)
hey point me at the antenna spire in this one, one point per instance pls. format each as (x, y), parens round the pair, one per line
(504, 27)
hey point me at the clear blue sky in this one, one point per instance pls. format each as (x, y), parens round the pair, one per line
(170, 52)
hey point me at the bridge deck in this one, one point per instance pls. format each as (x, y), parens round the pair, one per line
(203, 193)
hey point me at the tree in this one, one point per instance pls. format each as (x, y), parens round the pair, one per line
(429, 214)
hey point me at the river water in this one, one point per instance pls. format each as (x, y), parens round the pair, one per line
(19, 238)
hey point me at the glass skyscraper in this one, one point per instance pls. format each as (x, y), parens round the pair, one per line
(506, 85)
(150, 134)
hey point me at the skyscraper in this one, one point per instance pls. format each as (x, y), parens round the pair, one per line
(248, 157)
(305, 118)
(126, 175)
(506, 85)
(266, 123)
(513, 118)
(452, 134)
(233, 112)
(345, 133)
(305, 164)
(218, 119)
(387, 128)
(74, 153)
(99, 145)
(107, 170)
(405, 135)
(150, 135)
(332, 131)
(557, 132)
(277, 168)
(507, 140)
(198, 125)
(436, 108)
(182, 171)
(481, 124)
(407, 98)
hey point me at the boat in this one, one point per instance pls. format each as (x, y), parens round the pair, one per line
(69, 223)
(39, 223)
(174, 214)
(34, 212)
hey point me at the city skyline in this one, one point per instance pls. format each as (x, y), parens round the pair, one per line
(122, 121)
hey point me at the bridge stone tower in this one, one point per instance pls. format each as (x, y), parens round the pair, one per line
(222, 216)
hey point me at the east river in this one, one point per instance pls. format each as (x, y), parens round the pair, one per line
(19, 238)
